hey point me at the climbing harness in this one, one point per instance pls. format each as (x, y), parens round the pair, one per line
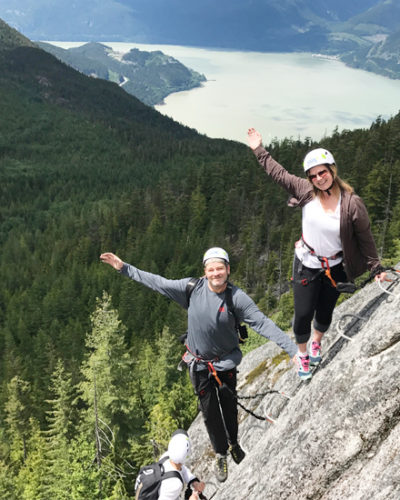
(324, 262)
(341, 287)
(189, 358)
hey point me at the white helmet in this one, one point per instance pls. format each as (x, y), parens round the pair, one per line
(316, 157)
(179, 446)
(216, 253)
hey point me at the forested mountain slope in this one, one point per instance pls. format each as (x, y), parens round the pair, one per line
(86, 168)
(10, 38)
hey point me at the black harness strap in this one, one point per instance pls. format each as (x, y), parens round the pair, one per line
(320, 257)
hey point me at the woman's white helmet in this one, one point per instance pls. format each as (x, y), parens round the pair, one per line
(216, 253)
(179, 446)
(316, 157)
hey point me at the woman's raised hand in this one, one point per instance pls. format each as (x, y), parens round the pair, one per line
(254, 138)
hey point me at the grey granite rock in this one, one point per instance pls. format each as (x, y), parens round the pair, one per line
(338, 436)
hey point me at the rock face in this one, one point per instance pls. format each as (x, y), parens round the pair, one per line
(338, 436)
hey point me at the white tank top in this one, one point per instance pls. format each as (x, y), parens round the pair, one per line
(321, 230)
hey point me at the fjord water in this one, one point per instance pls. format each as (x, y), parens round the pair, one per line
(293, 95)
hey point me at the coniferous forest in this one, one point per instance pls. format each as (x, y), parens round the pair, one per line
(89, 389)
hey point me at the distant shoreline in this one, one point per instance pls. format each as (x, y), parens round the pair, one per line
(326, 56)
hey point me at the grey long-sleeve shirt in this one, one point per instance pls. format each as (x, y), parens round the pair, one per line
(211, 326)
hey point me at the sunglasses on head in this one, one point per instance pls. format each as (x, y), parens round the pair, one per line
(321, 173)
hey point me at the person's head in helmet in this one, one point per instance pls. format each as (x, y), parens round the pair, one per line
(179, 447)
(216, 268)
(320, 168)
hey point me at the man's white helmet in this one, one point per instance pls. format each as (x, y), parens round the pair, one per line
(179, 446)
(216, 253)
(316, 157)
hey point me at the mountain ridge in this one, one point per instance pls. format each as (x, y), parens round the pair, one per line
(344, 29)
(146, 22)
(11, 38)
(149, 76)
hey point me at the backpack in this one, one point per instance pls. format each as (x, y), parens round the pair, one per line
(149, 479)
(241, 329)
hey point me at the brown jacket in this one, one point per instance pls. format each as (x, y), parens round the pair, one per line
(359, 250)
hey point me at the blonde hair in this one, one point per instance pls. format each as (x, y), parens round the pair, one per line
(337, 181)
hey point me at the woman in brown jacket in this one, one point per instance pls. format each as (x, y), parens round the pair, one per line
(336, 244)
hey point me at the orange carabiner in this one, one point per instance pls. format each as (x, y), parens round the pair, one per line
(323, 261)
(214, 373)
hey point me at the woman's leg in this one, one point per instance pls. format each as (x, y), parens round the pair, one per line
(306, 290)
(324, 310)
(327, 299)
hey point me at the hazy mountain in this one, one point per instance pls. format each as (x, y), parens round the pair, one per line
(384, 17)
(334, 27)
(245, 24)
(382, 57)
(371, 39)
(149, 76)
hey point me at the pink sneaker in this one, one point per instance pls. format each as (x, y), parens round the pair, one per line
(315, 356)
(303, 366)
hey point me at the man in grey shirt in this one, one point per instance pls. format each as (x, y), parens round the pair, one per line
(212, 342)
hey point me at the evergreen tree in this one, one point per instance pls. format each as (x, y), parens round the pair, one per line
(30, 482)
(109, 393)
(18, 413)
(7, 482)
(62, 422)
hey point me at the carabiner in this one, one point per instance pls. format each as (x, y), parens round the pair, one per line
(212, 370)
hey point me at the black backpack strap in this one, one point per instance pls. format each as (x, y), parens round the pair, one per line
(229, 303)
(169, 474)
(190, 287)
(241, 329)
